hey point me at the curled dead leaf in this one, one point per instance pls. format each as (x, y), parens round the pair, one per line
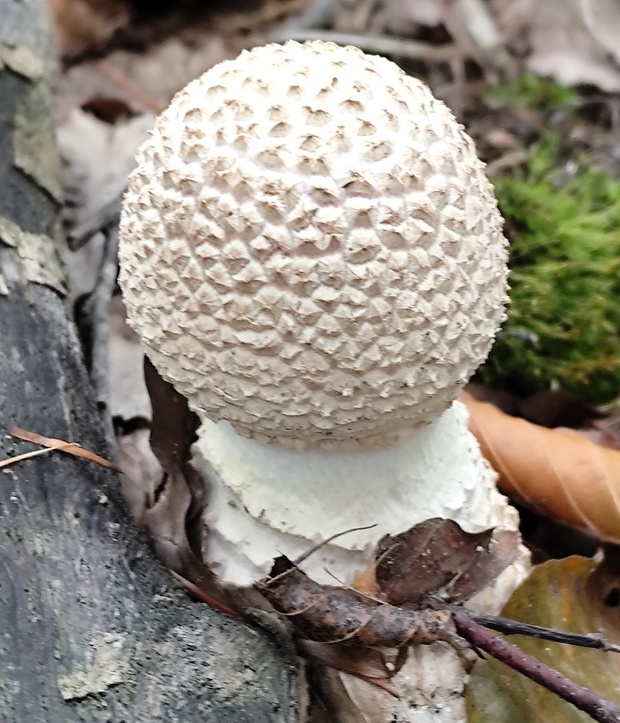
(178, 498)
(84, 23)
(439, 556)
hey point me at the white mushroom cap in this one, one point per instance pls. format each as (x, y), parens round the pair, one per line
(310, 248)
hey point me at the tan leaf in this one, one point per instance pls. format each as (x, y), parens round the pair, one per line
(365, 663)
(142, 473)
(129, 397)
(558, 472)
(366, 581)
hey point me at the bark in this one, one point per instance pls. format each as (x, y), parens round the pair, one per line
(92, 627)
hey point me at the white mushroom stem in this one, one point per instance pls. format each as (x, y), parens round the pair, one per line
(265, 500)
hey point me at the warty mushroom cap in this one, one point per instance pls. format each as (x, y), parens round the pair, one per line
(310, 248)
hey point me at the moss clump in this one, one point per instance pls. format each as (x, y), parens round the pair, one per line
(528, 90)
(564, 317)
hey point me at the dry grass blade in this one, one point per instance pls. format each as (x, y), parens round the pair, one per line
(28, 455)
(51, 444)
(204, 595)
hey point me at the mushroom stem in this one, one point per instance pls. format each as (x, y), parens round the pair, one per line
(266, 500)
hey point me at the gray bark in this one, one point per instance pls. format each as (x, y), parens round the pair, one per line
(92, 627)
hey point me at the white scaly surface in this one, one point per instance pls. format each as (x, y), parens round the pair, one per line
(310, 248)
(266, 500)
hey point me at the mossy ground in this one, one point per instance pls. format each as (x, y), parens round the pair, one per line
(563, 221)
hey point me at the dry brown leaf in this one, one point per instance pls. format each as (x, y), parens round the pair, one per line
(439, 556)
(173, 430)
(166, 523)
(558, 408)
(404, 18)
(142, 473)
(558, 472)
(368, 664)
(603, 20)
(87, 26)
(366, 581)
(71, 448)
(158, 74)
(98, 158)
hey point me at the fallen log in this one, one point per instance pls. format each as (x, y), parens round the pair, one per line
(92, 627)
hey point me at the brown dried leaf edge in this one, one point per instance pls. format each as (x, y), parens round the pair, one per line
(556, 471)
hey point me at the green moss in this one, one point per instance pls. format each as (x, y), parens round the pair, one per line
(564, 317)
(528, 90)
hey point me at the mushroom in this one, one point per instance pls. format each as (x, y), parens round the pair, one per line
(312, 254)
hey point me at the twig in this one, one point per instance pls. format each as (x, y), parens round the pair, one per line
(527, 337)
(516, 627)
(479, 23)
(319, 14)
(305, 555)
(597, 707)
(382, 44)
(512, 159)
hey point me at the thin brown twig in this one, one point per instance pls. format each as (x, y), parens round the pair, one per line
(305, 555)
(511, 159)
(516, 627)
(103, 218)
(353, 589)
